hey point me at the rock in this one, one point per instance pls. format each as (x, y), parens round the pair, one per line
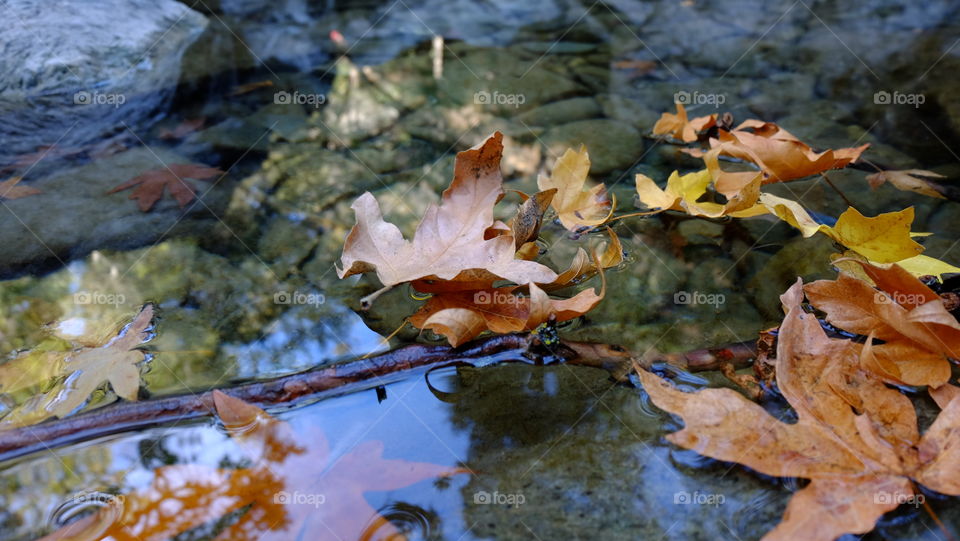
(560, 112)
(701, 232)
(77, 72)
(628, 110)
(500, 81)
(75, 214)
(806, 258)
(357, 110)
(612, 145)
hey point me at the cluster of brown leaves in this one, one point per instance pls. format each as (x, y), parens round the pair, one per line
(294, 488)
(459, 251)
(856, 439)
(779, 156)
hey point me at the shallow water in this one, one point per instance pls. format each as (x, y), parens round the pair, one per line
(244, 280)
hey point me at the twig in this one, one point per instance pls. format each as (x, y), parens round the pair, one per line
(313, 384)
(344, 378)
(842, 196)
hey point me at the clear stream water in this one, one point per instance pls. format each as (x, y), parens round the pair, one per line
(560, 451)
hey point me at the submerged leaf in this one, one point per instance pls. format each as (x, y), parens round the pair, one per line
(11, 189)
(117, 362)
(151, 184)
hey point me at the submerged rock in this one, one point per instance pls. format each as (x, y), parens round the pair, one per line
(75, 215)
(77, 72)
(613, 145)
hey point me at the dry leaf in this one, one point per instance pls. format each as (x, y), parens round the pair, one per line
(462, 315)
(855, 439)
(779, 154)
(449, 243)
(682, 193)
(918, 332)
(680, 128)
(583, 267)
(910, 180)
(116, 362)
(151, 184)
(922, 265)
(10, 190)
(526, 224)
(576, 208)
(885, 238)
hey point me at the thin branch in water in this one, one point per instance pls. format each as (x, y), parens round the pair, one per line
(842, 196)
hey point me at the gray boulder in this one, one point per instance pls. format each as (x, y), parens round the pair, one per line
(73, 72)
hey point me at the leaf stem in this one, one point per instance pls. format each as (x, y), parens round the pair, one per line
(367, 302)
(842, 196)
(645, 213)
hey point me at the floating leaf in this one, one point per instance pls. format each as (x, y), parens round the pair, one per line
(679, 127)
(855, 438)
(449, 243)
(883, 239)
(462, 315)
(910, 180)
(778, 153)
(576, 208)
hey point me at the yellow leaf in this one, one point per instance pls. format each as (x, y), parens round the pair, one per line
(792, 213)
(682, 192)
(881, 239)
(653, 197)
(678, 126)
(575, 207)
(921, 265)
(884, 238)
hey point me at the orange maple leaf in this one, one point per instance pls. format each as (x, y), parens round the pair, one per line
(679, 127)
(462, 315)
(778, 153)
(919, 333)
